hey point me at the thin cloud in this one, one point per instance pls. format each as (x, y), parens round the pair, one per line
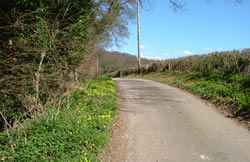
(187, 52)
(167, 54)
(220, 49)
(142, 47)
(149, 53)
(209, 49)
(153, 57)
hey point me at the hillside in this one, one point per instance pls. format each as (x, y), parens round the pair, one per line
(115, 61)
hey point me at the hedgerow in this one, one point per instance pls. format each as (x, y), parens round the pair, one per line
(227, 62)
(228, 89)
(48, 46)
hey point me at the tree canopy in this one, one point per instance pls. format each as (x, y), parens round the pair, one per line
(46, 46)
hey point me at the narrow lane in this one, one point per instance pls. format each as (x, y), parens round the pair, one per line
(167, 124)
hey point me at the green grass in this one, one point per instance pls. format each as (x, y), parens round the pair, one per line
(78, 132)
(230, 89)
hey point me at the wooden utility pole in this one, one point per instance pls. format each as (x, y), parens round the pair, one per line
(97, 65)
(138, 36)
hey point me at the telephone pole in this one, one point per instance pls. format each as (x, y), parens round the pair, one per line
(97, 65)
(138, 37)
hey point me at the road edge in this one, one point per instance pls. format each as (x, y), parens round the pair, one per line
(115, 150)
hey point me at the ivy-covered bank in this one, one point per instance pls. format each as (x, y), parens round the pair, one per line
(77, 131)
(232, 90)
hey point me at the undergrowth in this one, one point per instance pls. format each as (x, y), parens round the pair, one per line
(77, 131)
(227, 89)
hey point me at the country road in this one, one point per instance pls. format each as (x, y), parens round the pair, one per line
(167, 124)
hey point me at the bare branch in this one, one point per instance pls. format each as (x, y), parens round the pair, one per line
(239, 1)
(176, 5)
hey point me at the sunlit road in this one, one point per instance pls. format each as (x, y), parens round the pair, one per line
(167, 124)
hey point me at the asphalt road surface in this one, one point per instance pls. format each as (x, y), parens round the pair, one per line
(167, 124)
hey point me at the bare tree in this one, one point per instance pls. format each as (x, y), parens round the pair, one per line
(176, 4)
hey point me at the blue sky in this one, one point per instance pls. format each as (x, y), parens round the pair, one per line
(204, 26)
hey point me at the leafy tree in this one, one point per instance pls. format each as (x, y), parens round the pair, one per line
(47, 45)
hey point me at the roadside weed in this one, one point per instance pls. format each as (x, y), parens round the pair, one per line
(230, 89)
(78, 132)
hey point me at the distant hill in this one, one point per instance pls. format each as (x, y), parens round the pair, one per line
(116, 61)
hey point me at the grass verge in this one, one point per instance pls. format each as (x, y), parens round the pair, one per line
(76, 132)
(231, 90)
